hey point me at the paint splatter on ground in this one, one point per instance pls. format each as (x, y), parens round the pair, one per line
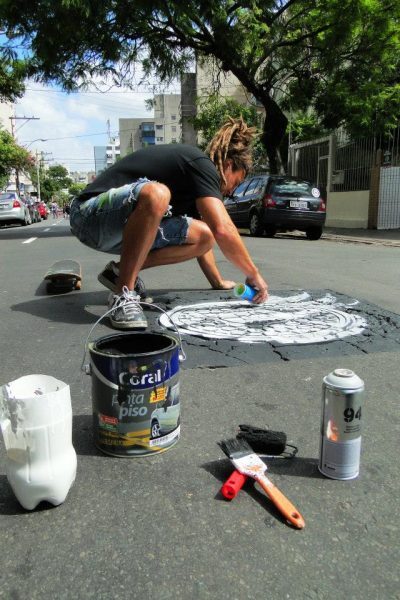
(303, 323)
(296, 319)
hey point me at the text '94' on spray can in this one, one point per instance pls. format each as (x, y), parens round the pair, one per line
(340, 445)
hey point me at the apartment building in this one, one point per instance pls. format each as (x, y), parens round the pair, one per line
(167, 119)
(105, 156)
(135, 134)
(6, 112)
(163, 128)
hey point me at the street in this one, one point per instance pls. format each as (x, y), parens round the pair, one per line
(157, 527)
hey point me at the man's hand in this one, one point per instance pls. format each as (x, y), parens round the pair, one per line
(261, 286)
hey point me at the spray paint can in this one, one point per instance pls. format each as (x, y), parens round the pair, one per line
(340, 444)
(244, 292)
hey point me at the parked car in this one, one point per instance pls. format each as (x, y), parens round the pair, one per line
(13, 209)
(43, 210)
(271, 203)
(166, 418)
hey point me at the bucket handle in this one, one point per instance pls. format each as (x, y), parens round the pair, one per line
(86, 367)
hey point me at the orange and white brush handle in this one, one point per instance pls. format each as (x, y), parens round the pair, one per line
(250, 466)
(287, 509)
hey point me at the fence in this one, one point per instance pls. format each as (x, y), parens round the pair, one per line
(341, 164)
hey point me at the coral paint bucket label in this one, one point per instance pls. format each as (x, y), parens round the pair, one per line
(135, 393)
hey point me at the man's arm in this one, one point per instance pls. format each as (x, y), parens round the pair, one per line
(214, 213)
(209, 267)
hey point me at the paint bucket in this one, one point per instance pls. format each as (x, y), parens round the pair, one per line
(135, 393)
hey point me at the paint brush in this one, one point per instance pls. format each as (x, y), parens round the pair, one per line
(248, 463)
(233, 485)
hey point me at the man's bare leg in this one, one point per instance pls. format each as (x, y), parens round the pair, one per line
(140, 232)
(199, 240)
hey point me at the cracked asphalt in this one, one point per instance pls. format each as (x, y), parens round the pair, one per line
(157, 527)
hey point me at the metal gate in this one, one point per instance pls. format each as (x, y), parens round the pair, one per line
(389, 198)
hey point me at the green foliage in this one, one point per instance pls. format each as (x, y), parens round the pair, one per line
(52, 181)
(339, 57)
(213, 112)
(12, 156)
(76, 188)
(306, 126)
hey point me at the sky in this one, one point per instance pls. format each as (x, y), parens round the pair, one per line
(72, 124)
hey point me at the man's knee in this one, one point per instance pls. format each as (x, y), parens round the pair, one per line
(202, 236)
(155, 197)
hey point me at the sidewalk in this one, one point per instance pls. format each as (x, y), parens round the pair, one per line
(384, 237)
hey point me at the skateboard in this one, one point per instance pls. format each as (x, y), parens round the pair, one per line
(63, 276)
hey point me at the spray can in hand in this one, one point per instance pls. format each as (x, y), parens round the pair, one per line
(340, 444)
(244, 292)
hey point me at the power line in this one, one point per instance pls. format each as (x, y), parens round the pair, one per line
(113, 132)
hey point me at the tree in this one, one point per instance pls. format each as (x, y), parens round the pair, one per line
(12, 156)
(334, 55)
(52, 181)
(76, 188)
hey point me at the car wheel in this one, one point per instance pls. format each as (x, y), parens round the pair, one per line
(314, 233)
(155, 429)
(256, 226)
(270, 231)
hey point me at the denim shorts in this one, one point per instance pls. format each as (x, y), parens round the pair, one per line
(99, 221)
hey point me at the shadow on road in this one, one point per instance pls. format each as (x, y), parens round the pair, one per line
(82, 436)
(297, 467)
(81, 308)
(300, 467)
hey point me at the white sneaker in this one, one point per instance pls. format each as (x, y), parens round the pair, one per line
(127, 312)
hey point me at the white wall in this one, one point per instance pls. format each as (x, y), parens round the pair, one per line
(348, 209)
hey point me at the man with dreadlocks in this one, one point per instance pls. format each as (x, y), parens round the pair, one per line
(163, 205)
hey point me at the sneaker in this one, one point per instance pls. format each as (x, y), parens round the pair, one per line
(109, 275)
(127, 312)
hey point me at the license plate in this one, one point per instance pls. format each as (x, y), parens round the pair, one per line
(298, 204)
(3, 206)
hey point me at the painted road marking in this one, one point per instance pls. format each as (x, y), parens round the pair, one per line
(47, 229)
(29, 241)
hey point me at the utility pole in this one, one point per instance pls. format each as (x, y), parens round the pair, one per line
(38, 176)
(13, 132)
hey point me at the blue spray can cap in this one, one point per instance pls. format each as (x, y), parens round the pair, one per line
(244, 292)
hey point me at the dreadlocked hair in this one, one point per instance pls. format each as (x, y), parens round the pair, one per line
(233, 141)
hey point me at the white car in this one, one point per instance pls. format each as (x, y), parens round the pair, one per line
(166, 418)
(13, 209)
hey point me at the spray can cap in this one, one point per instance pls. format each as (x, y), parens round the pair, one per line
(343, 373)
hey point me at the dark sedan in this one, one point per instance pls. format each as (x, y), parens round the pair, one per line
(271, 203)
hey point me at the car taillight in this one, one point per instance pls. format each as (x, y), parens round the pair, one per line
(269, 202)
(16, 204)
(322, 206)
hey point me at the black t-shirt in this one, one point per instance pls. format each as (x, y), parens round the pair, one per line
(185, 170)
